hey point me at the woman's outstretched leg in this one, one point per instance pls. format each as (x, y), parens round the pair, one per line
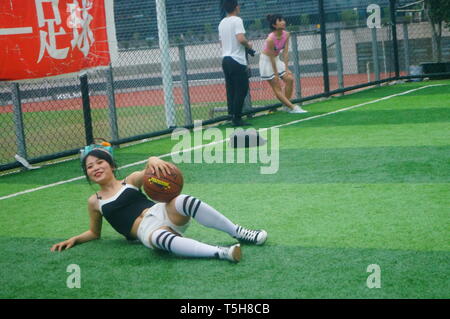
(188, 206)
(167, 240)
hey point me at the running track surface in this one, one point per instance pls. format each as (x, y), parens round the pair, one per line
(259, 90)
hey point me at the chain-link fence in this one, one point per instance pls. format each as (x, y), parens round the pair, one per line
(335, 46)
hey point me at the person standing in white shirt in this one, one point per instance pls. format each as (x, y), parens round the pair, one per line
(234, 63)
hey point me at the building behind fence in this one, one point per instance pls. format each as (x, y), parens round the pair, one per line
(332, 50)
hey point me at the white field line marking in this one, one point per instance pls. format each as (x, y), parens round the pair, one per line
(224, 140)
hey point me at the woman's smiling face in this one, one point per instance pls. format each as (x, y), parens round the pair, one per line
(98, 169)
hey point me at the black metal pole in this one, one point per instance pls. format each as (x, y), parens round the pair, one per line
(323, 42)
(84, 86)
(392, 4)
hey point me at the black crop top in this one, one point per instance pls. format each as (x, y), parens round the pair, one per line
(124, 207)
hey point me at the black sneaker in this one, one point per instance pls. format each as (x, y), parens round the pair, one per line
(257, 237)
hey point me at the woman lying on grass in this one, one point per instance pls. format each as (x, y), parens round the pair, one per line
(156, 225)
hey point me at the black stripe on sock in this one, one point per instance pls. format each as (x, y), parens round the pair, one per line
(184, 205)
(196, 208)
(163, 246)
(191, 205)
(158, 238)
(169, 244)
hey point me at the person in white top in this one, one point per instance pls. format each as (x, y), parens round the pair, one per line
(234, 63)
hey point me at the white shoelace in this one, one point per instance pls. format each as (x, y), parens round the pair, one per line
(247, 234)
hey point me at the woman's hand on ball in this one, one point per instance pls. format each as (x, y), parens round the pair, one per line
(158, 166)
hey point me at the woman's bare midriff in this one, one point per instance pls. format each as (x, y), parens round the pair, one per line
(136, 223)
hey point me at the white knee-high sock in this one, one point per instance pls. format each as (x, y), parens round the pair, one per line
(204, 214)
(182, 246)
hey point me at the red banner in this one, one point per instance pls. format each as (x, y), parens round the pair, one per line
(43, 38)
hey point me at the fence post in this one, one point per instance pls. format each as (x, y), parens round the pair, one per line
(339, 63)
(112, 113)
(185, 85)
(323, 42)
(375, 55)
(296, 64)
(406, 47)
(166, 70)
(18, 121)
(394, 37)
(84, 87)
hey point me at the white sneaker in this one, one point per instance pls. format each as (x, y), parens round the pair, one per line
(257, 237)
(232, 253)
(297, 110)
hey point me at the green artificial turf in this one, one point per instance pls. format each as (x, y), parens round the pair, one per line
(366, 186)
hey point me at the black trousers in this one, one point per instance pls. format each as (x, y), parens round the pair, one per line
(236, 82)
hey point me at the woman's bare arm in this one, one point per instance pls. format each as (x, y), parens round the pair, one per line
(93, 233)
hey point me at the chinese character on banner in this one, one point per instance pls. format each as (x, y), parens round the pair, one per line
(43, 38)
(81, 19)
(48, 38)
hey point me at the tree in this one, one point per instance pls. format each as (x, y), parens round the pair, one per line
(349, 17)
(136, 39)
(257, 25)
(438, 13)
(305, 20)
(208, 31)
(386, 15)
(208, 28)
